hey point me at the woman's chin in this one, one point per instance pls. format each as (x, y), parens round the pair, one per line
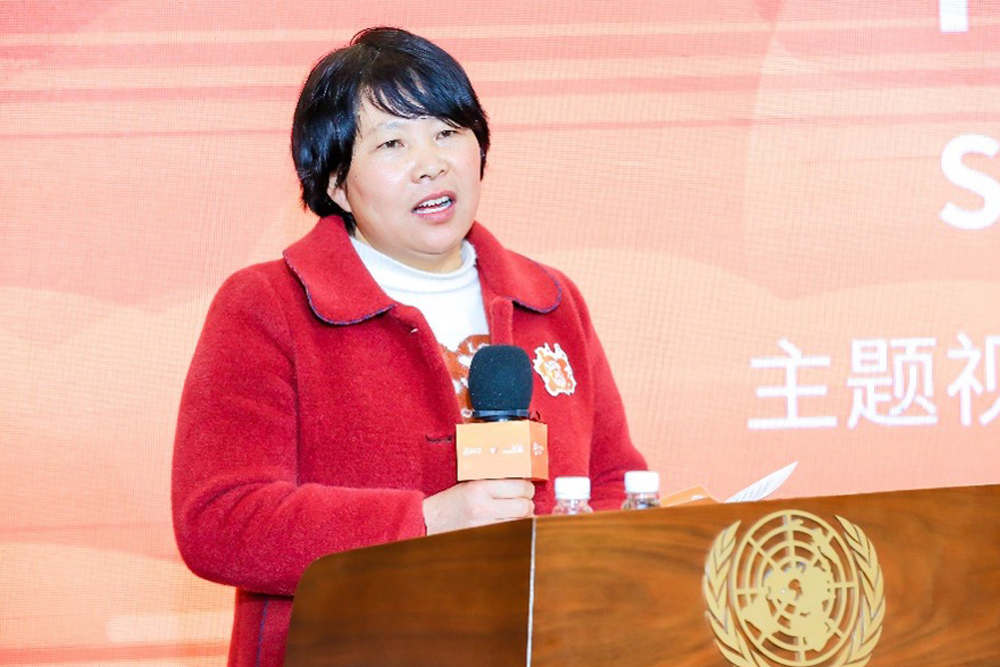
(442, 237)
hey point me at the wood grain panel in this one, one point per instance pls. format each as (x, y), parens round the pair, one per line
(455, 599)
(626, 588)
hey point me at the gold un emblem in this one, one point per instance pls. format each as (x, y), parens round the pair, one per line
(794, 593)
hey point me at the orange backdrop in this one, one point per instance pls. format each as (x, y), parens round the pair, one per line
(784, 214)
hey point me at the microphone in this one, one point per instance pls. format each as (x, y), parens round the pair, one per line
(503, 443)
(500, 383)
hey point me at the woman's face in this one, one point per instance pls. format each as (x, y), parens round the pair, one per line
(413, 187)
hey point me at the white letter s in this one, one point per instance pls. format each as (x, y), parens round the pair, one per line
(970, 179)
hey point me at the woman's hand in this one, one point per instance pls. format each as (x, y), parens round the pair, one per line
(478, 503)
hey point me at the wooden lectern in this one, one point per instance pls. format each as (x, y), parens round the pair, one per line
(890, 579)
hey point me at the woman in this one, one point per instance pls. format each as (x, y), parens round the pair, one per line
(320, 408)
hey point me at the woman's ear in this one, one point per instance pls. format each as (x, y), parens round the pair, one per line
(338, 193)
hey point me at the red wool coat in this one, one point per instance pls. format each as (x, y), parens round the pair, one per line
(318, 414)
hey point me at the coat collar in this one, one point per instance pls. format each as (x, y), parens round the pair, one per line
(341, 291)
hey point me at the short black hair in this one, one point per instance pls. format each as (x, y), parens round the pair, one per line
(396, 71)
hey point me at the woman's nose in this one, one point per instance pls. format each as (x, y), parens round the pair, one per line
(429, 163)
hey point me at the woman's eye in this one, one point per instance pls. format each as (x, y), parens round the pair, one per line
(392, 143)
(444, 134)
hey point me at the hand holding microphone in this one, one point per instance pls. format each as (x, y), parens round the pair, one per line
(478, 503)
(498, 454)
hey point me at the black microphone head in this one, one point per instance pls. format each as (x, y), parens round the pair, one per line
(500, 383)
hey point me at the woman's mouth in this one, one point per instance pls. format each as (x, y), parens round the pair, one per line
(435, 205)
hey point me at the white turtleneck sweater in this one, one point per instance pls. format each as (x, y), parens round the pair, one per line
(452, 303)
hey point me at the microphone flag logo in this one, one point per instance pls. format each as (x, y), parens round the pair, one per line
(552, 365)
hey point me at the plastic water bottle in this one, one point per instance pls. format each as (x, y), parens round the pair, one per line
(642, 490)
(572, 495)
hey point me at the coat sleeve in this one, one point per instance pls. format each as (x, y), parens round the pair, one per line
(241, 517)
(612, 453)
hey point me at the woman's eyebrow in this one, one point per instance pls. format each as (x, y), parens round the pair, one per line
(387, 125)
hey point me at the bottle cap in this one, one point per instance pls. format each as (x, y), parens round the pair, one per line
(642, 481)
(572, 488)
